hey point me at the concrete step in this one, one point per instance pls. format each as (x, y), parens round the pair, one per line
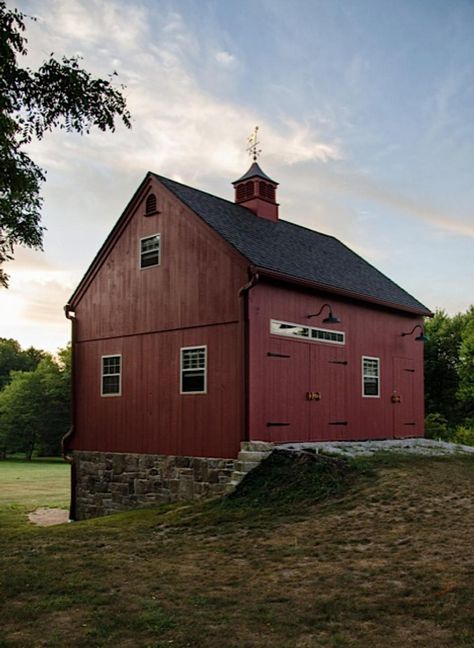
(236, 477)
(247, 455)
(256, 446)
(246, 466)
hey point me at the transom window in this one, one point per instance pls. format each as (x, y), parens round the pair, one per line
(193, 370)
(309, 333)
(150, 251)
(111, 376)
(370, 377)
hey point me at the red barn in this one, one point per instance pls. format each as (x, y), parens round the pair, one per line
(202, 324)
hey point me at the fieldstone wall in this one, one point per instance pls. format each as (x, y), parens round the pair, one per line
(111, 482)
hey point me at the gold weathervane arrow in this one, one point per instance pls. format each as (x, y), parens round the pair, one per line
(252, 143)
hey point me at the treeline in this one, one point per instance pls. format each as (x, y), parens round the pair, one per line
(35, 389)
(449, 377)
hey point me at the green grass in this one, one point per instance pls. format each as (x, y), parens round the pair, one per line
(39, 482)
(374, 553)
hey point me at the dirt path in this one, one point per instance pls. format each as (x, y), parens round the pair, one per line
(48, 516)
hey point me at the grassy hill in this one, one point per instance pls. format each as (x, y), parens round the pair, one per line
(377, 553)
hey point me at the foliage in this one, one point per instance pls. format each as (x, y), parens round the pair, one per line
(449, 375)
(35, 407)
(60, 94)
(13, 358)
(436, 427)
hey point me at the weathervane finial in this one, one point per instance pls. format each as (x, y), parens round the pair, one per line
(252, 145)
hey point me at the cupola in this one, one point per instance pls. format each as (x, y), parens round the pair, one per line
(255, 190)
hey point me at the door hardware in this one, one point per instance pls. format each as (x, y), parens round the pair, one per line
(277, 355)
(313, 396)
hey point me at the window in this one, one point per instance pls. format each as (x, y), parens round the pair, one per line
(111, 379)
(193, 370)
(150, 251)
(370, 377)
(306, 332)
(150, 205)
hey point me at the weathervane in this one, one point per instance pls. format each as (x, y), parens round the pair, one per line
(252, 145)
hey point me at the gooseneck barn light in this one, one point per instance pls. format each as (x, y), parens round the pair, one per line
(330, 319)
(421, 337)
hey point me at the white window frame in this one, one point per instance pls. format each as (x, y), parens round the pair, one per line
(309, 338)
(140, 252)
(364, 376)
(181, 370)
(102, 375)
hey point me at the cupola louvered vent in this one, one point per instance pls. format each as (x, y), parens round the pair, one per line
(266, 190)
(256, 191)
(150, 205)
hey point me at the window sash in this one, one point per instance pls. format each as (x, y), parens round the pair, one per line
(193, 370)
(111, 375)
(150, 251)
(370, 377)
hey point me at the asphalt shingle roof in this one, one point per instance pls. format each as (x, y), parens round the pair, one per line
(290, 249)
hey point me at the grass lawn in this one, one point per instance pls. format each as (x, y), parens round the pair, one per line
(380, 555)
(39, 482)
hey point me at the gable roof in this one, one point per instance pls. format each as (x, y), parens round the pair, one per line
(294, 251)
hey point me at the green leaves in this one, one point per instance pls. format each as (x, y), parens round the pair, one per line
(60, 94)
(35, 404)
(449, 367)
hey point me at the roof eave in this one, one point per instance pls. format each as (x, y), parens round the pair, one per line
(272, 274)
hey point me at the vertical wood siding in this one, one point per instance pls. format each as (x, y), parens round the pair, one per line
(278, 386)
(151, 416)
(191, 298)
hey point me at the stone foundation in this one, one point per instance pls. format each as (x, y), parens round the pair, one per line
(111, 482)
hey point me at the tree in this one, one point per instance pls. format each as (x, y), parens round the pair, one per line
(35, 407)
(60, 94)
(13, 358)
(449, 366)
(465, 392)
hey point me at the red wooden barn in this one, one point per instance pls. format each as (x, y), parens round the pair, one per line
(204, 323)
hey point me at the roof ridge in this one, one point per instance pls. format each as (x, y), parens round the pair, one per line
(280, 220)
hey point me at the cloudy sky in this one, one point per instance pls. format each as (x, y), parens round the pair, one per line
(366, 116)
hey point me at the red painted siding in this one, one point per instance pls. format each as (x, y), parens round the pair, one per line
(278, 385)
(191, 298)
(151, 416)
(196, 284)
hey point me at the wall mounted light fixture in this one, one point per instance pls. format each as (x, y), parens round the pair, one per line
(421, 337)
(330, 319)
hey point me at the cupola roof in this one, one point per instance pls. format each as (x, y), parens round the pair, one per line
(255, 172)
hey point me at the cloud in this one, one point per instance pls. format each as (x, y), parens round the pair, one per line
(225, 58)
(177, 124)
(367, 188)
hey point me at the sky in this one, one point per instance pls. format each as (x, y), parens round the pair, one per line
(366, 119)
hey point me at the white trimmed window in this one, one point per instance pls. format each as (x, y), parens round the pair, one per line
(111, 376)
(370, 377)
(310, 333)
(150, 251)
(193, 379)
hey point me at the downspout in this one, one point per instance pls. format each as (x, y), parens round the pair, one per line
(244, 292)
(65, 441)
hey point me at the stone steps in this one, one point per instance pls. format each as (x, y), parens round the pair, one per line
(249, 457)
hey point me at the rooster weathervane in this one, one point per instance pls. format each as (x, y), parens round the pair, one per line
(252, 143)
